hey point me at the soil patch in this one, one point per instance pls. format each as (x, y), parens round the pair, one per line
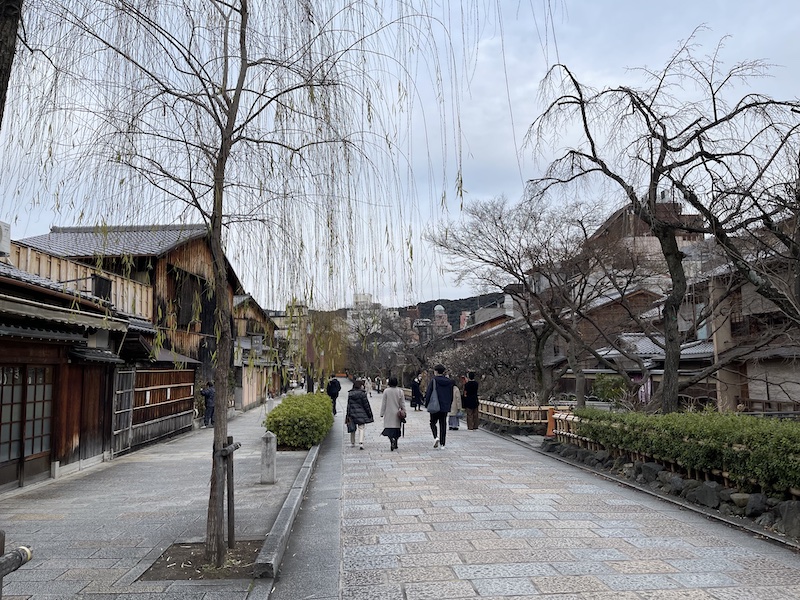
(186, 562)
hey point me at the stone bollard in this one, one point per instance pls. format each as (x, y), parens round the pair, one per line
(269, 455)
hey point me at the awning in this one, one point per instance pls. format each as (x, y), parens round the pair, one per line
(30, 333)
(96, 355)
(170, 356)
(23, 308)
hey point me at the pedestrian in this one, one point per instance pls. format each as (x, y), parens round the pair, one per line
(368, 386)
(359, 412)
(208, 393)
(455, 410)
(393, 411)
(438, 399)
(470, 401)
(332, 389)
(416, 393)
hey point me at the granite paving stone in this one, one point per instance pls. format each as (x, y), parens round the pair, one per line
(676, 595)
(506, 586)
(575, 583)
(439, 590)
(631, 581)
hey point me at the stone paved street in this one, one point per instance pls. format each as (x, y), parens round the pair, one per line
(487, 518)
(484, 518)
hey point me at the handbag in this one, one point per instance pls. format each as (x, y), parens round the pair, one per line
(433, 402)
(401, 414)
(351, 427)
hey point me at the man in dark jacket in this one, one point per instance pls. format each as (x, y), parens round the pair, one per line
(416, 393)
(444, 394)
(208, 394)
(333, 388)
(470, 401)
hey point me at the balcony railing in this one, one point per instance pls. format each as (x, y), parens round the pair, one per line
(126, 295)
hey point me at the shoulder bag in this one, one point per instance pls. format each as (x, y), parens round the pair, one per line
(433, 402)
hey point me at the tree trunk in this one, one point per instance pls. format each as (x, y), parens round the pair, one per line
(215, 526)
(580, 377)
(215, 531)
(10, 13)
(672, 337)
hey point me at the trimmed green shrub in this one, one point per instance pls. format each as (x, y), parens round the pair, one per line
(749, 450)
(610, 388)
(301, 421)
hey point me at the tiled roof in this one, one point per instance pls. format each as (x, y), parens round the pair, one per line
(643, 346)
(10, 271)
(144, 240)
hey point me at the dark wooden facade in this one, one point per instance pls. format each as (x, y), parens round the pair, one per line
(53, 413)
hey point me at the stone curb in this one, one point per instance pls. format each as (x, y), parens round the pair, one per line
(271, 554)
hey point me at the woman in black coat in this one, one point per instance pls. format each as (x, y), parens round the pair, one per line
(359, 412)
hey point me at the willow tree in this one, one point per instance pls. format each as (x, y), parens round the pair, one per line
(278, 124)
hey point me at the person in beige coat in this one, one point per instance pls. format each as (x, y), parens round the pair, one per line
(453, 420)
(393, 401)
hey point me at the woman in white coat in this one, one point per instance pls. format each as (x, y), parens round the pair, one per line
(393, 401)
(453, 420)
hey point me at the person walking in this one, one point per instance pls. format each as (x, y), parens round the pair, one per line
(359, 412)
(208, 393)
(438, 399)
(416, 393)
(453, 420)
(470, 401)
(393, 410)
(332, 389)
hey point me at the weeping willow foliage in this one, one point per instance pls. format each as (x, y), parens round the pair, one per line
(286, 126)
(309, 118)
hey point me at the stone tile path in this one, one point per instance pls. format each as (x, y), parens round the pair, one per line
(487, 518)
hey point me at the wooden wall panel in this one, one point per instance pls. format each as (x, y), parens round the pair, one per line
(67, 413)
(93, 411)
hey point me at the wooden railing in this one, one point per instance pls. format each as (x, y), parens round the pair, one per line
(755, 405)
(127, 295)
(510, 414)
(565, 428)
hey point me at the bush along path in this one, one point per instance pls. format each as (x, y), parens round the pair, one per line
(777, 518)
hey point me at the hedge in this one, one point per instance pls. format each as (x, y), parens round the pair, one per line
(301, 421)
(749, 450)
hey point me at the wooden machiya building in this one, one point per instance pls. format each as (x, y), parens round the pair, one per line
(105, 336)
(173, 261)
(57, 368)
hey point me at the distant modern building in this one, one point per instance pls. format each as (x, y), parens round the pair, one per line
(424, 329)
(441, 325)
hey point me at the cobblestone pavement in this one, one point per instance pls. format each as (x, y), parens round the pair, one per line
(487, 518)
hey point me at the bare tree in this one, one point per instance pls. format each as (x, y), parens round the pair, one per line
(490, 246)
(501, 359)
(728, 161)
(550, 261)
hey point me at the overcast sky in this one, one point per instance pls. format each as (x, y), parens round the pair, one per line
(599, 41)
